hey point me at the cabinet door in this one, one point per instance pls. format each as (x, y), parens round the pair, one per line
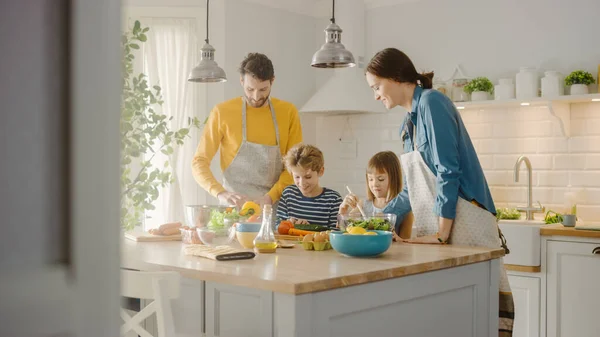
(526, 294)
(238, 311)
(573, 277)
(59, 168)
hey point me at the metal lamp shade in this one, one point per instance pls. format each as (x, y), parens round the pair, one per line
(333, 54)
(207, 71)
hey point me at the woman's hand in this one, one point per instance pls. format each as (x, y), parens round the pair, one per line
(297, 221)
(397, 238)
(350, 202)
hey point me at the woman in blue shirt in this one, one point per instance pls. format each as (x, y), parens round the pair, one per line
(445, 187)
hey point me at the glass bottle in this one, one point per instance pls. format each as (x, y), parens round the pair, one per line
(265, 239)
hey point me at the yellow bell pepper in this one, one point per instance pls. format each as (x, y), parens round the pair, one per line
(250, 208)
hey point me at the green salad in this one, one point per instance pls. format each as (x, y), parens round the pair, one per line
(371, 224)
(217, 219)
(508, 214)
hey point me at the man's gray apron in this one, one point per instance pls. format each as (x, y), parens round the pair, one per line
(256, 167)
(472, 226)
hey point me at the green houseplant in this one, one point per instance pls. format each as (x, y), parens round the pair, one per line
(579, 81)
(144, 132)
(479, 88)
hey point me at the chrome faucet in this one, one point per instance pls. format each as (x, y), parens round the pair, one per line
(529, 209)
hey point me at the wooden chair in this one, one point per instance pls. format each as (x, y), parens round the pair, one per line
(158, 286)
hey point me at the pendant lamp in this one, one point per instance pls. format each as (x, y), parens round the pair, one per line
(207, 71)
(333, 54)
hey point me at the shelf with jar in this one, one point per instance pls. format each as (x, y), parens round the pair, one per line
(528, 90)
(559, 106)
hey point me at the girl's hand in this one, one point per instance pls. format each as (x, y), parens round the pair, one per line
(349, 203)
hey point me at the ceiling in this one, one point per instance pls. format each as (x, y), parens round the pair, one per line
(320, 8)
(316, 8)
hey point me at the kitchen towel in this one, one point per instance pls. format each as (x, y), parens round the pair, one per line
(218, 253)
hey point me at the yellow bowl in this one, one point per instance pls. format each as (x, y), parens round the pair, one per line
(246, 239)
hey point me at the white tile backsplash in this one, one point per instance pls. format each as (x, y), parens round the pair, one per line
(592, 162)
(500, 136)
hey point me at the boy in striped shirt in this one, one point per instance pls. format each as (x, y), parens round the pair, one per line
(306, 202)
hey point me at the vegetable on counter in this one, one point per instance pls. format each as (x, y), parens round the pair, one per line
(284, 227)
(313, 228)
(507, 214)
(299, 232)
(551, 219)
(250, 208)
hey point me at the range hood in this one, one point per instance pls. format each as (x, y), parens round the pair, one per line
(346, 91)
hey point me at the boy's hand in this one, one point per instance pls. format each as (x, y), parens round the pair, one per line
(296, 221)
(349, 203)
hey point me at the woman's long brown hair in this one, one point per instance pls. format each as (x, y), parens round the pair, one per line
(393, 64)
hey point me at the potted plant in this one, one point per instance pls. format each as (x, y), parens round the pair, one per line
(579, 81)
(480, 88)
(144, 131)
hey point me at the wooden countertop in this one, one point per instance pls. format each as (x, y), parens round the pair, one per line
(296, 271)
(568, 231)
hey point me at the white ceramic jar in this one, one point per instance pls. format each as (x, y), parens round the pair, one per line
(505, 89)
(527, 83)
(552, 84)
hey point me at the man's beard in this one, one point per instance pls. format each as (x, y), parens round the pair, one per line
(255, 104)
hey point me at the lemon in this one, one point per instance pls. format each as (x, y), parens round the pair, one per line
(370, 233)
(357, 231)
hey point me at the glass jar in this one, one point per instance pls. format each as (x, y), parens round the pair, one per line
(458, 90)
(441, 87)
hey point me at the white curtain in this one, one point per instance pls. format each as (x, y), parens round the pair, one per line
(169, 54)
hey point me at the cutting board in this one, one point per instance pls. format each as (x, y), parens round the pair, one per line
(588, 228)
(147, 237)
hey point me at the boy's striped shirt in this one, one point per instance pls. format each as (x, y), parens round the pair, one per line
(320, 210)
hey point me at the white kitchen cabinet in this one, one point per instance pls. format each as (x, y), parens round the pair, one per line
(573, 293)
(238, 311)
(526, 295)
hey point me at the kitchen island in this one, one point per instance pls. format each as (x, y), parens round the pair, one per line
(410, 290)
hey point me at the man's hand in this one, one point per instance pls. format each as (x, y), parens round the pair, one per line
(231, 198)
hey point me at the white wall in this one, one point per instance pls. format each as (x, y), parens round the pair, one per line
(285, 37)
(490, 38)
(491, 41)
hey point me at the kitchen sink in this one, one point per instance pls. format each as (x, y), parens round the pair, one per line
(524, 241)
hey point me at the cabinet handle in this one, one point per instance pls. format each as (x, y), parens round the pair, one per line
(596, 250)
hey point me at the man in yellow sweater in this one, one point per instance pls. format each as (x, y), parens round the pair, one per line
(253, 132)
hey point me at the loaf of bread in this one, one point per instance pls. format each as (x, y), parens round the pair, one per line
(166, 229)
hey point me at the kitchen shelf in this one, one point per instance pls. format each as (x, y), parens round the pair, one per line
(559, 107)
